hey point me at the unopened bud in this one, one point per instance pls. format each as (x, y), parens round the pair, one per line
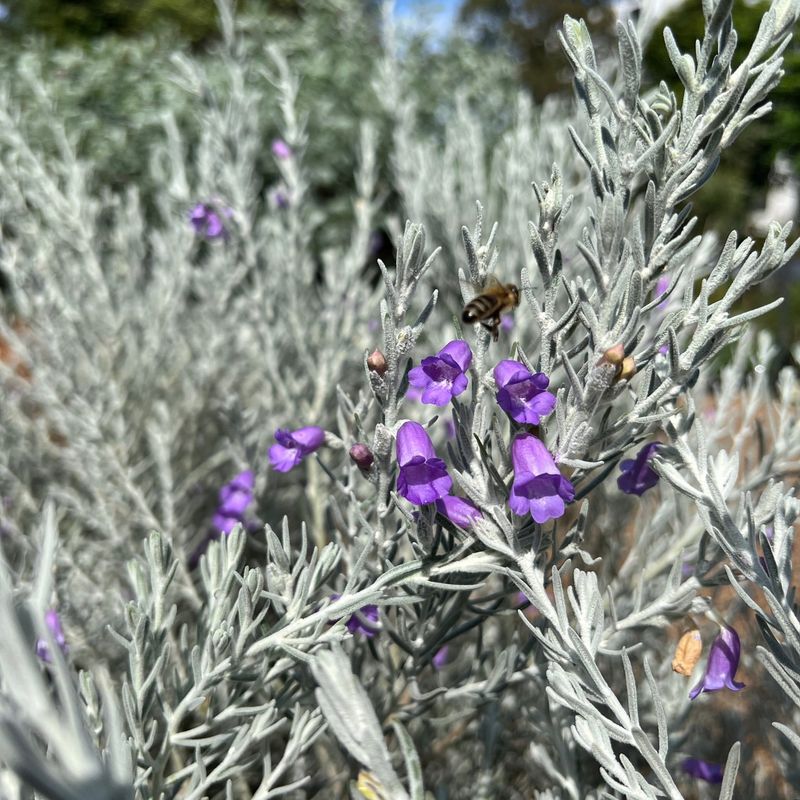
(376, 362)
(627, 370)
(614, 355)
(361, 456)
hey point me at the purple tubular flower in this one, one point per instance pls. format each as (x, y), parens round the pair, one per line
(723, 661)
(423, 477)
(442, 376)
(440, 658)
(236, 496)
(234, 499)
(539, 489)
(521, 393)
(54, 626)
(293, 446)
(704, 770)
(364, 621)
(207, 222)
(281, 150)
(637, 474)
(459, 511)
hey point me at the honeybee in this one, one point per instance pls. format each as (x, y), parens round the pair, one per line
(486, 308)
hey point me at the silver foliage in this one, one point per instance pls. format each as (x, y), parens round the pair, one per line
(160, 364)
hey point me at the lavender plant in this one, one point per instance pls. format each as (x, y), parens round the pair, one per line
(431, 565)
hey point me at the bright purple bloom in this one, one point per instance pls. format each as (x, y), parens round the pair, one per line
(637, 474)
(442, 376)
(207, 221)
(363, 621)
(723, 661)
(704, 770)
(293, 446)
(459, 511)
(423, 477)
(234, 499)
(539, 489)
(440, 659)
(521, 393)
(507, 322)
(281, 150)
(54, 626)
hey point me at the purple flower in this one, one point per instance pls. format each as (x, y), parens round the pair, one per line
(704, 770)
(440, 658)
(294, 446)
(442, 376)
(507, 323)
(539, 489)
(363, 621)
(637, 474)
(723, 661)
(54, 625)
(423, 477)
(459, 511)
(281, 150)
(521, 393)
(207, 221)
(234, 499)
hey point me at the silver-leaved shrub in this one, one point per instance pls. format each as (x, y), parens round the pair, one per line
(278, 522)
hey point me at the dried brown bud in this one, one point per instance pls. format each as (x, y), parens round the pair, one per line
(627, 370)
(687, 653)
(362, 456)
(376, 362)
(614, 355)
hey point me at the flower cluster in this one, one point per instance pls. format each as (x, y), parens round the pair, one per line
(207, 220)
(539, 488)
(234, 499)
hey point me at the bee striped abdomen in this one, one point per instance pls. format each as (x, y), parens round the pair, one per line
(480, 307)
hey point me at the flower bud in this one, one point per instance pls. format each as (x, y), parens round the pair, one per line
(614, 355)
(361, 456)
(376, 362)
(627, 370)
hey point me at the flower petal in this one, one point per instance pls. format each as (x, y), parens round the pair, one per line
(509, 370)
(310, 438)
(413, 440)
(529, 454)
(459, 351)
(459, 511)
(424, 483)
(284, 458)
(438, 394)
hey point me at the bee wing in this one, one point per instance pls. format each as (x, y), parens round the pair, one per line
(492, 283)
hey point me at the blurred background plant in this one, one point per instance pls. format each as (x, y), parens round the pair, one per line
(193, 207)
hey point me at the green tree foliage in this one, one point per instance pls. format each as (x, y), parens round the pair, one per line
(70, 21)
(528, 28)
(740, 185)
